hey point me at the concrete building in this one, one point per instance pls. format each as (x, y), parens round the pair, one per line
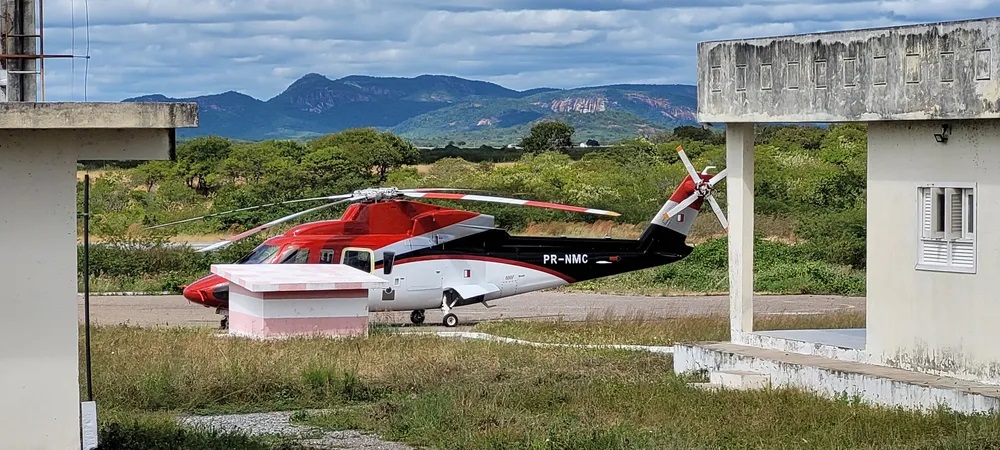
(930, 94)
(40, 144)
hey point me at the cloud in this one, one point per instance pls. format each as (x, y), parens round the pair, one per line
(194, 47)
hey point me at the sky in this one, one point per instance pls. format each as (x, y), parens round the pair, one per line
(185, 48)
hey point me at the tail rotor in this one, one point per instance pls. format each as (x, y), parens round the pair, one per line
(703, 189)
(682, 208)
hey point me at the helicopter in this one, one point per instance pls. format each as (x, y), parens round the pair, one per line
(439, 257)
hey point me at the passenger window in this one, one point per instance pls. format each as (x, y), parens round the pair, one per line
(361, 259)
(297, 256)
(326, 256)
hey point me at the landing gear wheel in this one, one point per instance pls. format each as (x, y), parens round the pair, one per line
(417, 317)
(450, 320)
(224, 324)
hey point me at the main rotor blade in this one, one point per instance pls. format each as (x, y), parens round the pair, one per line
(682, 205)
(270, 224)
(718, 177)
(718, 212)
(511, 201)
(687, 163)
(442, 190)
(249, 208)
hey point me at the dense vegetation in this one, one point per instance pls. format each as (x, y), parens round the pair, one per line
(810, 191)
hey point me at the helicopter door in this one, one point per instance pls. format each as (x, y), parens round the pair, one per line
(424, 275)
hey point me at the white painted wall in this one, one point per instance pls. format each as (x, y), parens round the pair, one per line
(39, 381)
(936, 322)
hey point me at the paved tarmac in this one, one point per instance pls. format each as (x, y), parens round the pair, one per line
(175, 310)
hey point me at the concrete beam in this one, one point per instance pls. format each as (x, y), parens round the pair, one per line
(99, 144)
(29, 115)
(739, 199)
(930, 71)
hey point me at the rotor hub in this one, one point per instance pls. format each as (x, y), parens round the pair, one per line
(371, 195)
(703, 189)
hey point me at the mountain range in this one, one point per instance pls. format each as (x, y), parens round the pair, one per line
(437, 109)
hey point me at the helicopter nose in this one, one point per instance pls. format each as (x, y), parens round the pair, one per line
(211, 291)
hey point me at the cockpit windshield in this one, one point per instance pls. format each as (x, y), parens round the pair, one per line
(260, 255)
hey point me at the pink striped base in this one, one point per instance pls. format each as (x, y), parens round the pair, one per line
(244, 324)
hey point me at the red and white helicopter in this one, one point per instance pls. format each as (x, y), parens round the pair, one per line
(437, 257)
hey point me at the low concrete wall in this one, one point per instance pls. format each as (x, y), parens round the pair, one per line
(330, 313)
(802, 348)
(835, 379)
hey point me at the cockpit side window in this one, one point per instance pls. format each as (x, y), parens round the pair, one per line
(260, 255)
(296, 256)
(359, 258)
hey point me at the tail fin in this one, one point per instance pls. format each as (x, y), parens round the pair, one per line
(670, 227)
(680, 222)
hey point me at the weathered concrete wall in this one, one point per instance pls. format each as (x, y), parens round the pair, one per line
(928, 71)
(935, 322)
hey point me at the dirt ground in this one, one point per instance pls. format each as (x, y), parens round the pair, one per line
(175, 310)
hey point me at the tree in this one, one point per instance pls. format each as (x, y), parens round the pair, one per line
(197, 159)
(693, 133)
(246, 163)
(370, 149)
(548, 135)
(153, 173)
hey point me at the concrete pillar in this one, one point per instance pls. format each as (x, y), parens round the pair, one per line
(739, 196)
(38, 326)
(40, 144)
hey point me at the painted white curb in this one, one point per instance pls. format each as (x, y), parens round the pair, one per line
(669, 350)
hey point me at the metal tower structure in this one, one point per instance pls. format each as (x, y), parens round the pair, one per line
(22, 50)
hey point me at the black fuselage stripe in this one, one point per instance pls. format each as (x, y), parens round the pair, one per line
(576, 259)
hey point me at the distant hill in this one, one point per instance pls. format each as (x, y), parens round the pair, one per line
(435, 109)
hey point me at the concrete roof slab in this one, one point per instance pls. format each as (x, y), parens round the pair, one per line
(297, 277)
(89, 115)
(947, 70)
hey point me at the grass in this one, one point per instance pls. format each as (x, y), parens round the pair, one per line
(161, 431)
(638, 329)
(449, 394)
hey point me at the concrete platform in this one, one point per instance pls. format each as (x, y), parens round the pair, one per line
(836, 378)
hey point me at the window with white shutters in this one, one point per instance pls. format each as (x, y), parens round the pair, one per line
(947, 226)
